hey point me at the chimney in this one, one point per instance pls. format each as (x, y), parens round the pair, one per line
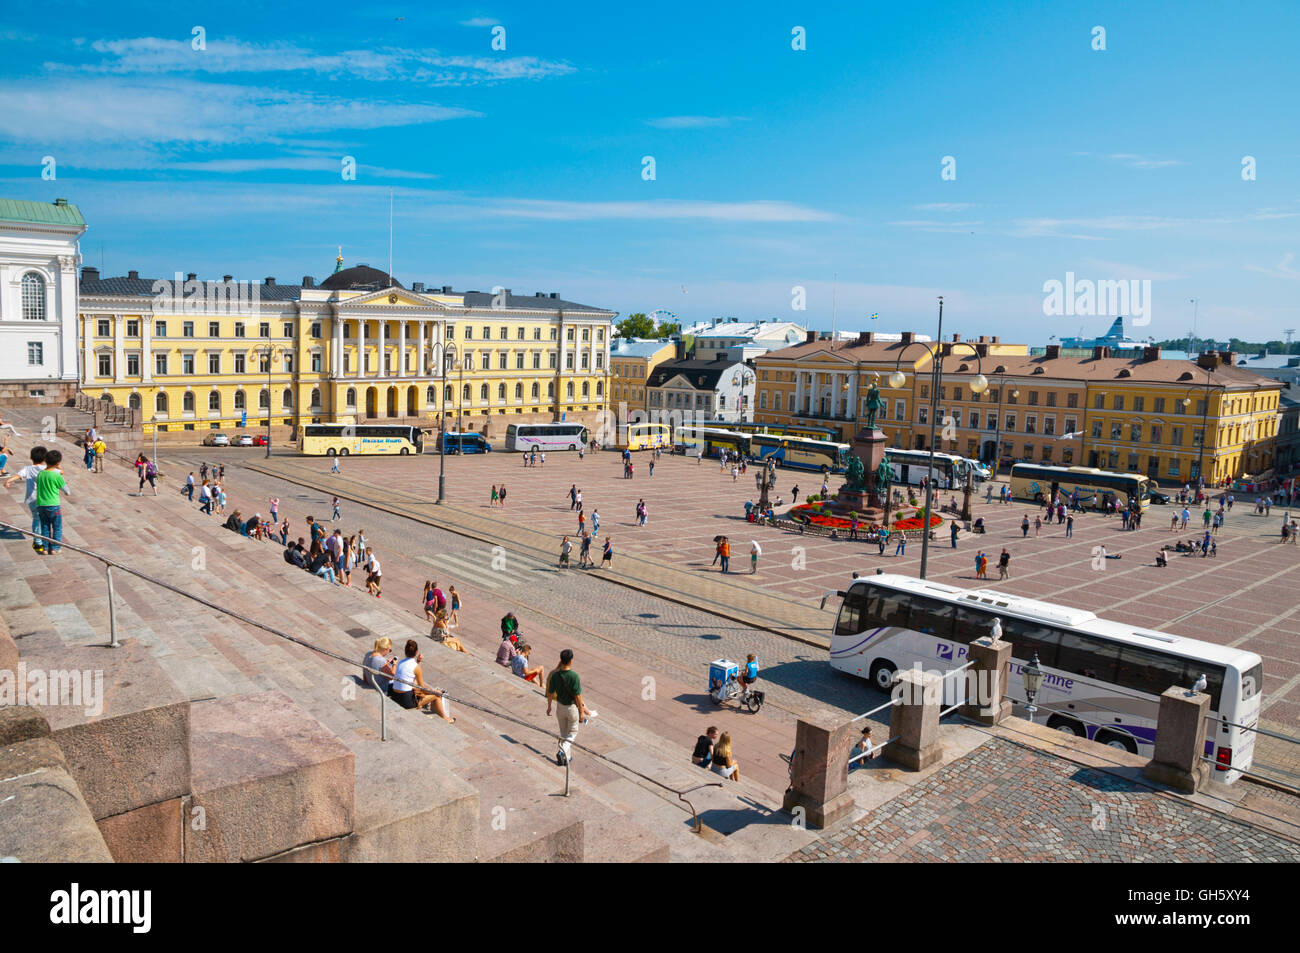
(538, 294)
(1228, 357)
(909, 336)
(508, 292)
(555, 295)
(192, 276)
(133, 274)
(60, 201)
(994, 339)
(810, 337)
(308, 281)
(446, 289)
(1208, 360)
(89, 274)
(982, 348)
(269, 281)
(1151, 353)
(716, 322)
(983, 339)
(866, 337)
(956, 338)
(680, 350)
(417, 286)
(1053, 351)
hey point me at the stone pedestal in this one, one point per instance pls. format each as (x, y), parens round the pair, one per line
(820, 772)
(1180, 741)
(915, 722)
(986, 682)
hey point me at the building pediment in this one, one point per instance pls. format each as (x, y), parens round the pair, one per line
(398, 299)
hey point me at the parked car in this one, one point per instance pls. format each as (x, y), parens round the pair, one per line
(241, 440)
(216, 440)
(1155, 496)
(260, 440)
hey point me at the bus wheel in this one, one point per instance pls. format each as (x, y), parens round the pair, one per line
(1113, 739)
(573, 446)
(405, 451)
(329, 452)
(1067, 725)
(343, 452)
(883, 674)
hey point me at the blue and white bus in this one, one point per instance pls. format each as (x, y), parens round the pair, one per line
(560, 436)
(803, 453)
(1103, 680)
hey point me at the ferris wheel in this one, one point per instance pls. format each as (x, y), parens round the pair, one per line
(663, 316)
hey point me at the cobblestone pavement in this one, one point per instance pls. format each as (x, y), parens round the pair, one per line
(1246, 596)
(1006, 803)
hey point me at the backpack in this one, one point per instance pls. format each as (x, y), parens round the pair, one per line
(150, 469)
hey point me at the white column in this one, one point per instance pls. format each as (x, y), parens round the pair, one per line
(146, 348)
(383, 344)
(336, 359)
(401, 348)
(422, 367)
(361, 352)
(89, 367)
(119, 357)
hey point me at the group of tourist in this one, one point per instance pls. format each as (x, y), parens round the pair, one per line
(45, 487)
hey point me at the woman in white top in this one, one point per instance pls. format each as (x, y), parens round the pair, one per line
(409, 689)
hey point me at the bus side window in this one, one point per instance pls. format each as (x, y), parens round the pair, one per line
(851, 621)
(1088, 657)
(932, 617)
(1028, 638)
(896, 610)
(1145, 670)
(969, 625)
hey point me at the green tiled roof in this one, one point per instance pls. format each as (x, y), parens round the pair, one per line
(58, 212)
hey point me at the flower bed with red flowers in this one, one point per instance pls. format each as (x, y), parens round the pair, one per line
(811, 514)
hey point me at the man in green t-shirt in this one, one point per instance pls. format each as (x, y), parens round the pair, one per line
(49, 485)
(564, 691)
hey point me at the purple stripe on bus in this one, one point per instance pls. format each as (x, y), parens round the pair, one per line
(854, 648)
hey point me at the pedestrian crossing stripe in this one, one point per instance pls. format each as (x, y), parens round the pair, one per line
(482, 574)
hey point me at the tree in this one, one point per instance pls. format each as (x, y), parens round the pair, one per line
(640, 325)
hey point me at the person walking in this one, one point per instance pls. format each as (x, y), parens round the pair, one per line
(573, 497)
(584, 552)
(882, 538)
(726, 554)
(901, 548)
(1069, 526)
(51, 487)
(953, 526)
(101, 454)
(275, 509)
(652, 466)
(564, 696)
(1185, 515)
(582, 522)
(566, 548)
(1004, 565)
(205, 498)
(595, 521)
(454, 599)
(189, 486)
(607, 558)
(336, 515)
(754, 552)
(29, 475)
(493, 501)
(1024, 526)
(502, 494)
(982, 565)
(334, 465)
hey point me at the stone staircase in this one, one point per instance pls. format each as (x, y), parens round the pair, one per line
(221, 741)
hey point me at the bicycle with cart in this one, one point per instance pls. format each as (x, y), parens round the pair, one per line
(725, 685)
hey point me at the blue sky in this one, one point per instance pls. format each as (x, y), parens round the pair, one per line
(774, 168)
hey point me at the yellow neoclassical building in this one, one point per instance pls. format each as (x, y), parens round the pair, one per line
(1169, 419)
(195, 355)
(631, 362)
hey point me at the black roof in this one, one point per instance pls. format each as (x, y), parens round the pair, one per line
(143, 288)
(360, 278)
(701, 374)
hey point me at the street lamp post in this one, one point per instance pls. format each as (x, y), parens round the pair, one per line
(448, 360)
(1033, 678)
(765, 479)
(977, 386)
(743, 377)
(997, 423)
(270, 367)
(1205, 413)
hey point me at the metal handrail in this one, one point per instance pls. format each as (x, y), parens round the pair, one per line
(111, 564)
(1263, 731)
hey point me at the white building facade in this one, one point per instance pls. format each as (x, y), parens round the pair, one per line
(38, 300)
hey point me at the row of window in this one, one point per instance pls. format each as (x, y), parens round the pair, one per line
(104, 326)
(683, 399)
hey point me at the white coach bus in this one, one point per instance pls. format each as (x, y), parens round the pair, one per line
(1103, 680)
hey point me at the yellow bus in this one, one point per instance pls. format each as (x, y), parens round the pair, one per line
(327, 440)
(1032, 482)
(643, 435)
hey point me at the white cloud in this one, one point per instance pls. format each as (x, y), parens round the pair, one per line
(324, 163)
(1283, 269)
(945, 206)
(162, 112)
(156, 55)
(693, 122)
(480, 21)
(662, 209)
(1143, 162)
